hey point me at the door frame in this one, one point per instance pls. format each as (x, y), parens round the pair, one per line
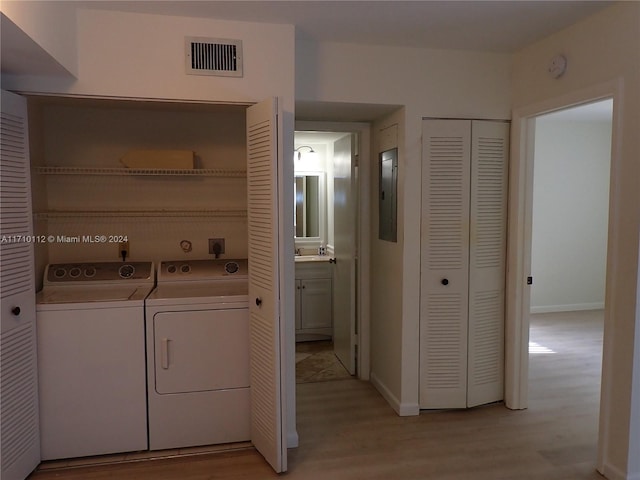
(363, 130)
(519, 249)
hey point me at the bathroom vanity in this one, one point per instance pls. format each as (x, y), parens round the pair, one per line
(314, 297)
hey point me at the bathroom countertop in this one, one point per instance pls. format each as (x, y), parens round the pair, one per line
(312, 258)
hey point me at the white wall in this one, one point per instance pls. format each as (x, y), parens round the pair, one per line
(603, 55)
(51, 25)
(570, 214)
(429, 83)
(142, 56)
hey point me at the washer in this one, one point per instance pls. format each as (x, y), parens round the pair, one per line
(198, 354)
(91, 358)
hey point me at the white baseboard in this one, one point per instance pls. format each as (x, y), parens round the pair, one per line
(292, 439)
(612, 473)
(567, 308)
(403, 410)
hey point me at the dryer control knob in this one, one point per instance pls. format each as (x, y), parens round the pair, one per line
(126, 271)
(231, 267)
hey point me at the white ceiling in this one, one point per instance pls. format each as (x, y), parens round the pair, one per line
(497, 26)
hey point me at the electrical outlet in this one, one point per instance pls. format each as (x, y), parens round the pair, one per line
(123, 250)
(216, 246)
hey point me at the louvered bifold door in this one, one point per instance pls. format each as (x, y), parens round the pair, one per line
(489, 156)
(444, 265)
(266, 365)
(19, 432)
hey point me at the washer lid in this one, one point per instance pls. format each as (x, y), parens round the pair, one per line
(218, 291)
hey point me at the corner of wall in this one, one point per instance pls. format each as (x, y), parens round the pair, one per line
(403, 409)
(47, 26)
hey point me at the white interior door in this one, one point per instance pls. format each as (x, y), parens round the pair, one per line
(488, 240)
(20, 435)
(444, 268)
(344, 276)
(266, 365)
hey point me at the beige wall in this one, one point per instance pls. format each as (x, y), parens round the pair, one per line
(604, 49)
(429, 83)
(51, 25)
(142, 56)
(570, 214)
(386, 272)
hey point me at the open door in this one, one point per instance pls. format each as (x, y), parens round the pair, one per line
(267, 367)
(20, 435)
(344, 277)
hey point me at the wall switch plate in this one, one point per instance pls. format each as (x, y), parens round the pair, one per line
(216, 246)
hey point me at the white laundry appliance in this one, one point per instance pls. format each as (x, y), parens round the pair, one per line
(91, 358)
(198, 354)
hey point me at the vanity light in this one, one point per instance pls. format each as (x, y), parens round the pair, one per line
(299, 151)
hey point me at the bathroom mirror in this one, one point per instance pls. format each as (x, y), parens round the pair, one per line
(308, 191)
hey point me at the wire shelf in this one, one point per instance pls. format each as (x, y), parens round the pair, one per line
(51, 215)
(196, 172)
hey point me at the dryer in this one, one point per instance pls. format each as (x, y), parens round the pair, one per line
(91, 358)
(197, 332)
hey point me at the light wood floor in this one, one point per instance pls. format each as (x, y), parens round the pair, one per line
(347, 431)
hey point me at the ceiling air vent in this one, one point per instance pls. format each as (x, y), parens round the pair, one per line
(214, 56)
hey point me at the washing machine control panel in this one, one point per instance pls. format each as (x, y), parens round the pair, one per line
(59, 273)
(199, 270)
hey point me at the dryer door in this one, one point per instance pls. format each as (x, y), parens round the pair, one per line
(201, 350)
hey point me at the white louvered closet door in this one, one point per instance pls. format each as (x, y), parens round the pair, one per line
(264, 295)
(19, 431)
(444, 264)
(463, 248)
(488, 243)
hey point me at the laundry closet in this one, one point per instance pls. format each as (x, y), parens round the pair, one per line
(81, 188)
(84, 191)
(127, 187)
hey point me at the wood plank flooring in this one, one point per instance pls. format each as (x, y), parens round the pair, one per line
(348, 432)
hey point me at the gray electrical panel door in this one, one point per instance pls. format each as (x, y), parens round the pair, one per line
(388, 195)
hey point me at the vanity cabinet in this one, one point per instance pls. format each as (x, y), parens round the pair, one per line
(314, 304)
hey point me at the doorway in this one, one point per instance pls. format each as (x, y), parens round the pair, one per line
(326, 194)
(519, 257)
(570, 217)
